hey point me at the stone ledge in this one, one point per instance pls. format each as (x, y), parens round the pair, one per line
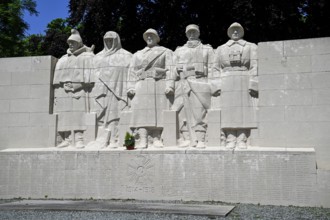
(273, 176)
(117, 206)
(166, 150)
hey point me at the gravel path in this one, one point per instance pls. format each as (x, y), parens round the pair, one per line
(242, 211)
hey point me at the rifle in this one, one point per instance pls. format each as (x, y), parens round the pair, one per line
(119, 98)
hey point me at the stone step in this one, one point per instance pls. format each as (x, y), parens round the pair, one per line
(119, 206)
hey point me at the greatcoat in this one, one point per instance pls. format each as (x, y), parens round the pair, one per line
(236, 63)
(150, 74)
(74, 68)
(108, 97)
(193, 91)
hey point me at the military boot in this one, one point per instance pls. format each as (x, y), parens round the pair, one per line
(143, 142)
(201, 139)
(184, 140)
(79, 139)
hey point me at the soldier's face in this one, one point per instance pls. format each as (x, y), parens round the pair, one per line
(108, 42)
(73, 45)
(192, 34)
(235, 35)
(151, 40)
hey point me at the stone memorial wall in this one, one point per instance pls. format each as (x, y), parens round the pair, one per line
(294, 79)
(26, 102)
(237, 123)
(259, 175)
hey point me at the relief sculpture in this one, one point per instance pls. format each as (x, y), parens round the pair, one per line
(72, 84)
(108, 97)
(236, 63)
(193, 91)
(151, 81)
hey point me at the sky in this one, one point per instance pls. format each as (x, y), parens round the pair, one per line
(48, 11)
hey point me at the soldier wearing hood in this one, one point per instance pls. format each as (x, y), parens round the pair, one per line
(236, 63)
(149, 83)
(108, 97)
(71, 83)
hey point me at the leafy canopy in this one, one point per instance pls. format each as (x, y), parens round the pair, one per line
(263, 20)
(12, 25)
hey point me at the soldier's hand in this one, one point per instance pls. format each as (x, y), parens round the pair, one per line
(131, 93)
(68, 86)
(169, 91)
(217, 93)
(77, 86)
(179, 68)
(253, 93)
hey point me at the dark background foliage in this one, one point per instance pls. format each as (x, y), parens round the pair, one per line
(12, 26)
(263, 20)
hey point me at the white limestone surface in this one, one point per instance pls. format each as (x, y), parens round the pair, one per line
(277, 176)
(26, 101)
(294, 106)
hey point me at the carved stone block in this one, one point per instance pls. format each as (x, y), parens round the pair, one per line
(171, 130)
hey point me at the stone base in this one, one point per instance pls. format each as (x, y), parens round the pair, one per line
(276, 176)
(205, 210)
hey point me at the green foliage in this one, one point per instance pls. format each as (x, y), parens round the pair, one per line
(129, 140)
(12, 25)
(317, 17)
(13, 41)
(263, 20)
(33, 45)
(57, 33)
(54, 42)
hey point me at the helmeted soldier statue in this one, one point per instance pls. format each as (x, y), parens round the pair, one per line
(193, 91)
(72, 83)
(236, 63)
(150, 81)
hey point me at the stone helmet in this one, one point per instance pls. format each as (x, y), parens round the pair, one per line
(153, 32)
(235, 26)
(192, 27)
(75, 36)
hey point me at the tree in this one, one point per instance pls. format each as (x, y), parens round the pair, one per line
(54, 42)
(263, 20)
(96, 17)
(12, 25)
(33, 45)
(57, 33)
(317, 17)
